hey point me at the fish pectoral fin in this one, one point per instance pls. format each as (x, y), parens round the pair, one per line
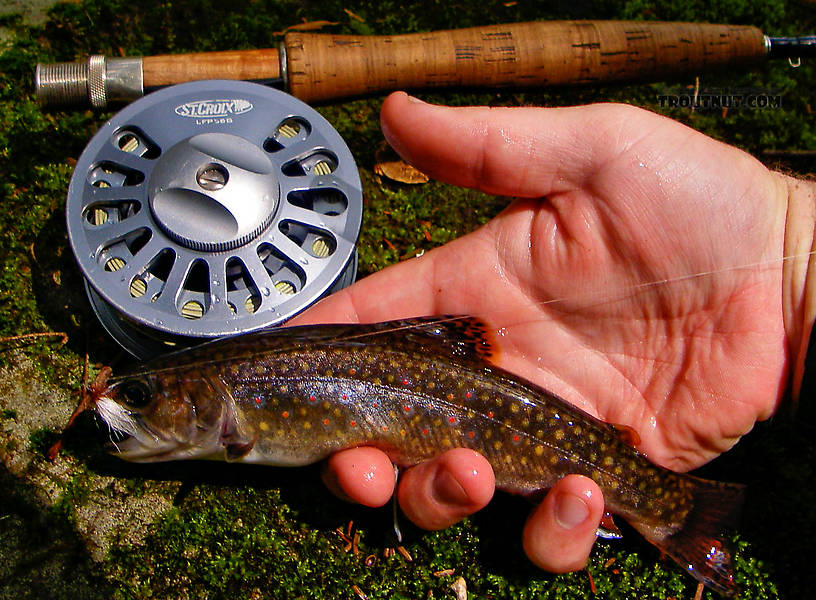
(238, 448)
(607, 529)
(627, 434)
(395, 506)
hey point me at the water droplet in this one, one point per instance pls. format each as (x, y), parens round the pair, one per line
(265, 291)
(502, 332)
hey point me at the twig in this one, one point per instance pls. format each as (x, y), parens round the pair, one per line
(34, 336)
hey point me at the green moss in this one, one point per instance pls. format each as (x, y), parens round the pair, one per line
(41, 440)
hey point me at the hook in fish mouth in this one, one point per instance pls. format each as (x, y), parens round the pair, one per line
(129, 436)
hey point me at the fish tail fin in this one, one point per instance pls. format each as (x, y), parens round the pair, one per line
(702, 543)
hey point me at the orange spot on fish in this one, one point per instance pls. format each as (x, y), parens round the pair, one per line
(352, 371)
(326, 421)
(375, 404)
(285, 414)
(353, 423)
(471, 434)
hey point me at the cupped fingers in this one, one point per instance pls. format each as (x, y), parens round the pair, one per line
(559, 535)
(438, 493)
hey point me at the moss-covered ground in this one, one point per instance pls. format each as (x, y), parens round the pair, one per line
(88, 526)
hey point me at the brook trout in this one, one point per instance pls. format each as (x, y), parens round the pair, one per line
(413, 388)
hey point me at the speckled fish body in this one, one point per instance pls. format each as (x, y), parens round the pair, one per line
(415, 389)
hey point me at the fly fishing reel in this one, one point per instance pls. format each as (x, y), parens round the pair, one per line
(209, 209)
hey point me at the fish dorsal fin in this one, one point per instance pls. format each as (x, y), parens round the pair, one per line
(463, 336)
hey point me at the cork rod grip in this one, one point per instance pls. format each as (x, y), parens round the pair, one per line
(253, 65)
(325, 66)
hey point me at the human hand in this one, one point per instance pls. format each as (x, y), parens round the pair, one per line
(638, 275)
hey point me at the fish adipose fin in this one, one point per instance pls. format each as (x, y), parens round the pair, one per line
(702, 544)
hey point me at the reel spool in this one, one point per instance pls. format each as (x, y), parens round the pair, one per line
(212, 208)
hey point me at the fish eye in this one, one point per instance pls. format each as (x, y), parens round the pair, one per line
(135, 393)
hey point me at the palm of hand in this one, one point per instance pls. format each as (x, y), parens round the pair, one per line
(636, 304)
(688, 363)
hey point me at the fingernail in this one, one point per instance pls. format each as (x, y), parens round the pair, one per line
(415, 100)
(447, 490)
(570, 511)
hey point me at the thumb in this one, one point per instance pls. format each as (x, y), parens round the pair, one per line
(559, 535)
(527, 152)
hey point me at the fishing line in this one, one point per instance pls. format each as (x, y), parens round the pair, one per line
(608, 297)
(635, 288)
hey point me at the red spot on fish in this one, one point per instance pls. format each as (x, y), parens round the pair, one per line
(469, 395)
(516, 438)
(344, 397)
(285, 414)
(312, 399)
(490, 414)
(353, 423)
(352, 371)
(375, 404)
(425, 432)
(406, 408)
(471, 434)
(258, 399)
(405, 382)
(451, 419)
(326, 421)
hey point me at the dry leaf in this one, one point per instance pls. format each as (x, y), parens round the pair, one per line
(391, 166)
(459, 588)
(308, 26)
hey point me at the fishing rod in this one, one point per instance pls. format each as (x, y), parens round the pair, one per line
(318, 67)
